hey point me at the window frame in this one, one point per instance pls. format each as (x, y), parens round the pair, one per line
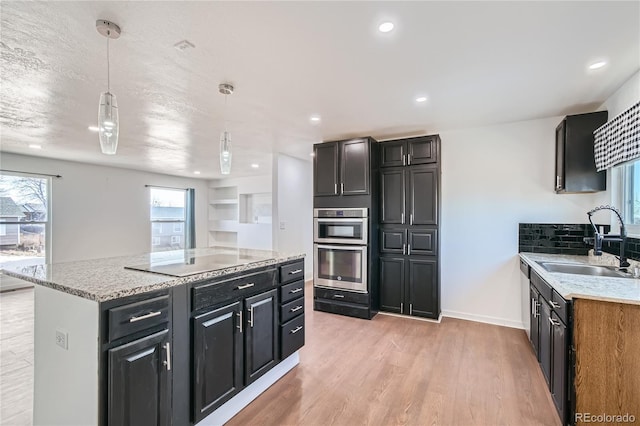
(159, 223)
(622, 195)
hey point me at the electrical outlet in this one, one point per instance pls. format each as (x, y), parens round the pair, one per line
(282, 225)
(62, 339)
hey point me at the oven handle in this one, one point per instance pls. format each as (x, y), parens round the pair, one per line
(342, 219)
(345, 247)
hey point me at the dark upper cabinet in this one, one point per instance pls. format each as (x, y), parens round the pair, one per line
(342, 168)
(217, 362)
(393, 241)
(411, 151)
(422, 197)
(325, 170)
(392, 196)
(140, 382)
(261, 334)
(575, 164)
(422, 241)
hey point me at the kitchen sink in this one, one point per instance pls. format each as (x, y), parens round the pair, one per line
(579, 269)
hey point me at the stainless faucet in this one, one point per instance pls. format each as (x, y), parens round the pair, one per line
(598, 238)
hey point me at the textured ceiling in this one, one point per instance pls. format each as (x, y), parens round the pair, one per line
(479, 63)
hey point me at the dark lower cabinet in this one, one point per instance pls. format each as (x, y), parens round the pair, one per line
(261, 336)
(544, 327)
(560, 373)
(218, 355)
(140, 382)
(409, 286)
(534, 334)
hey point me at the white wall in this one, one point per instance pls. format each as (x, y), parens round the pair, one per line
(492, 179)
(293, 220)
(102, 211)
(623, 98)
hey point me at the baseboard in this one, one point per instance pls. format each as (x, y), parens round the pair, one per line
(391, 314)
(484, 318)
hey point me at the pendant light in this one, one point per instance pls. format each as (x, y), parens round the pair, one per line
(108, 125)
(225, 137)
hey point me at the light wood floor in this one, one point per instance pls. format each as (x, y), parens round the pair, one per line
(387, 371)
(16, 357)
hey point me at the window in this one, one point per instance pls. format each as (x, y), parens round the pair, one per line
(24, 213)
(168, 218)
(630, 196)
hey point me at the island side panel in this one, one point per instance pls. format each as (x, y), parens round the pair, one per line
(607, 342)
(66, 390)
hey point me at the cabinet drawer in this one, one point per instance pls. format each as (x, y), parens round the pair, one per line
(134, 317)
(341, 296)
(544, 289)
(292, 336)
(561, 306)
(291, 291)
(210, 294)
(292, 272)
(291, 309)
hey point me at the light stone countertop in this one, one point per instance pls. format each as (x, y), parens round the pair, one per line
(574, 286)
(107, 279)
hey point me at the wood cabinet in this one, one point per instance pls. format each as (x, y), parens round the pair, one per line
(411, 151)
(342, 168)
(409, 195)
(218, 353)
(409, 286)
(261, 337)
(139, 382)
(550, 338)
(575, 163)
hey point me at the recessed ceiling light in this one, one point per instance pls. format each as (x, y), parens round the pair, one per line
(255, 166)
(35, 146)
(94, 128)
(597, 65)
(315, 118)
(197, 172)
(421, 99)
(385, 27)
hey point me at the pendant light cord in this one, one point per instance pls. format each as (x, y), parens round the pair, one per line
(108, 76)
(225, 112)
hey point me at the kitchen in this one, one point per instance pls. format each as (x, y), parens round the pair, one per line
(495, 106)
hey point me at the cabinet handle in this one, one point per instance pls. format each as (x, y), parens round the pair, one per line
(408, 159)
(335, 188)
(558, 180)
(297, 271)
(404, 162)
(240, 320)
(410, 308)
(554, 304)
(401, 308)
(402, 218)
(295, 330)
(409, 249)
(251, 317)
(410, 218)
(167, 363)
(242, 287)
(533, 307)
(537, 313)
(404, 248)
(296, 309)
(296, 290)
(342, 188)
(144, 317)
(554, 322)
(338, 296)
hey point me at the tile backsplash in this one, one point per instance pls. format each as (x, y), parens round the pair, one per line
(555, 238)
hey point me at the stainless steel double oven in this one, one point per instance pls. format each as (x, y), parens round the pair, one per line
(340, 249)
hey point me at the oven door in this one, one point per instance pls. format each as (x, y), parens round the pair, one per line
(341, 231)
(340, 267)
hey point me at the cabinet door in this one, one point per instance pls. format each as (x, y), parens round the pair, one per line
(393, 241)
(261, 336)
(560, 372)
(217, 359)
(560, 142)
(545, 340)
(354, 167)
(392, 284)
(422, 242)
(392, 154)
(422, 151)
(423, 195)
(423, 288)
(534, 333)
(140, 382)
(325, 169)
(392, 201)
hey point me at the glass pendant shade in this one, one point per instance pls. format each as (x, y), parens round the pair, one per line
(225, 153)
(108, 125)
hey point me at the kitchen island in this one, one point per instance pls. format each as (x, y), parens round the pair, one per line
(584, 332)
(182, 337)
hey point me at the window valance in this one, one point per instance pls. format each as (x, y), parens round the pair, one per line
(618, 140)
